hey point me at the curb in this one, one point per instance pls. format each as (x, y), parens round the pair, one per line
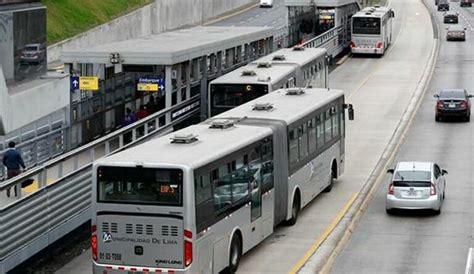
(322, 260)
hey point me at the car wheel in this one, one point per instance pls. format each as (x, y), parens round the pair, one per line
(467, 118)
(295, 210)
(444, 194)
(234, 255)
(389, 211)
(437, 118)
(437, 211)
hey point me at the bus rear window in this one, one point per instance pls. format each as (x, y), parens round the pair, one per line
(365, 25)
(132, 185)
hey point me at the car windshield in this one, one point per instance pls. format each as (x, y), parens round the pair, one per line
(452, 94)
(412, 175)
(31, 48)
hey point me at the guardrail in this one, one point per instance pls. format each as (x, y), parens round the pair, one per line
(328, 40)
(35, 221)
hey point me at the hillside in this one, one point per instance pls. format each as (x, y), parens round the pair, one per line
(67, 18)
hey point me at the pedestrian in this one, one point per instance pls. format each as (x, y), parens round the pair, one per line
(13, 161)
(129, 118)
(151, 105)
(142, 113)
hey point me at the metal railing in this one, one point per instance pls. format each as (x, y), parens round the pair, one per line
(62, 201)
(328, 40)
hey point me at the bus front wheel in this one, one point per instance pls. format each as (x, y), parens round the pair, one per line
(295, 210)
(235, 254)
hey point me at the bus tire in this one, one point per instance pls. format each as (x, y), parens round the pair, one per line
(295, 210)
(235, 254)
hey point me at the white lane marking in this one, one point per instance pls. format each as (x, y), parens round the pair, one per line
(460, 14)
(469, 262)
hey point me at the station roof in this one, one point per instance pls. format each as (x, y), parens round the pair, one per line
(169, 48)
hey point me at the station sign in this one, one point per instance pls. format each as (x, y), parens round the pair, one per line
(74, 83)
(88, 83)
(151, 84)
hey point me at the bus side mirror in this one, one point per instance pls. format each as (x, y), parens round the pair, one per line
(392, 14)
(436, 96)
(350, 111)
(443, 172)
(391, 170)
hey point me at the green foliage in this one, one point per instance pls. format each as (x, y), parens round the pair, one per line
(67, 18)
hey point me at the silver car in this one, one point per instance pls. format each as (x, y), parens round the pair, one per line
(416, 185)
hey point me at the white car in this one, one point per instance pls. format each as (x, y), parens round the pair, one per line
(416, 185)
(266, 3)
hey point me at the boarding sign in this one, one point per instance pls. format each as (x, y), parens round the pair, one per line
(89, 83)
(151, 84)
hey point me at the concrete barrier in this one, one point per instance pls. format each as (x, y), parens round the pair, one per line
(159, 16)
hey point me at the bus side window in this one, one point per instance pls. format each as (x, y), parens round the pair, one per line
(204, 201)
(328, 126)
(312, 135)
(293, 147)
(320, 130)
(335, 122)
(222, 188)
(303, 141)
(267, 165)
(240, 178)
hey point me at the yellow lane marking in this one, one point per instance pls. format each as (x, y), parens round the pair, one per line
(230, 15)
(323, 237)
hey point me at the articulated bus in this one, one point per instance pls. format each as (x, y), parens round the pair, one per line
(372, 30)
(197, 200)
(285, 68)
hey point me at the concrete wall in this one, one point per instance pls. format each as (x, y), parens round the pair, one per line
(22, 108)
(162, 15)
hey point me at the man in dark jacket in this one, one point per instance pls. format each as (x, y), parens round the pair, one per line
(13, 161)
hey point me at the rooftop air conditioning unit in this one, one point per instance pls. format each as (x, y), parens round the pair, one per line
(184, 138)
(264, 79)
(248, 73)
(279, 57)
(295, 91)
(298, 48)
(262, 106)
(264, 65)
(221, 124)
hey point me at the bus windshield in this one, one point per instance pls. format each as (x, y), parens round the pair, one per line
(232, 95)
(365, 25)
(134, 185)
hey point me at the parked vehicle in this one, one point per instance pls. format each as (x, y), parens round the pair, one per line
(33, 53)
(465, 3)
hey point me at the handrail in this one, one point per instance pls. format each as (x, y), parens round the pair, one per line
(321, 37)
(133, 127)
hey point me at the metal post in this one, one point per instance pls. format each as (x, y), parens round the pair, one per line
(179, 83)
(168, 92)
(204, 89)
(188, 80)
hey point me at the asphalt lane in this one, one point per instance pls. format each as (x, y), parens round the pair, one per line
(419, 241)
(259, 17)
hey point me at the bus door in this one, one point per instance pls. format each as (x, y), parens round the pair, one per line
(255, 167)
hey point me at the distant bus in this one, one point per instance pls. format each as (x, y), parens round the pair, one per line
(285, 68)
(197, 201)
(372, 30)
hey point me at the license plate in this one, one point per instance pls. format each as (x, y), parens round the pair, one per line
(452, 105)
(412, 193)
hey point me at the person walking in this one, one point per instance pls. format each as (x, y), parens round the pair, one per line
(12, 160)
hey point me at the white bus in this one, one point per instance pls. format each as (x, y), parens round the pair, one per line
(372, 30)
(285, 68)
(197, 201)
